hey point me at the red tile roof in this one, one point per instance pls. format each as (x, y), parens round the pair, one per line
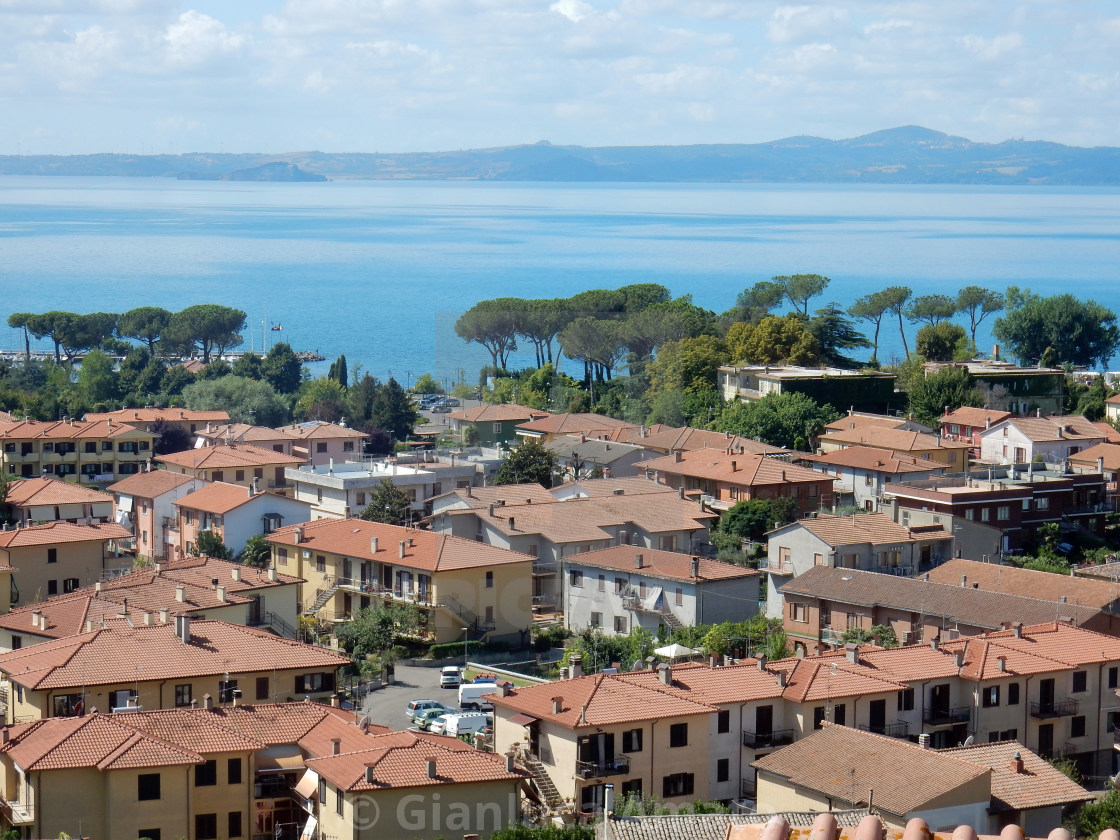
(54, 533)
(52, 491)
(497, 414)
(671, 565)
(896, 439)
(151, 415)
(69, 430)
(219, 498)
(686, 438)
(1027, 582)
(1037, 785)
(567, 424)
(319, 430)
(244, 433)
(859, 528)
(228, 457)
(742, 470)
(100, 741)
(1049, 429)
(151, 485)
(1109, 452)
(975, 417)
(878, 460)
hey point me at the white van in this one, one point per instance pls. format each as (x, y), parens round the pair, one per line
(464, 723)
(470, 695)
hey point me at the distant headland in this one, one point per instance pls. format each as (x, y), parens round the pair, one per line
(906, 155)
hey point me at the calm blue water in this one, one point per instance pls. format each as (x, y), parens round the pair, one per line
(380, 271)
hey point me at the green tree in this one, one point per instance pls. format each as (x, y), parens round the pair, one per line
(393, 411)
(894, 299)
(207, 327)
(1096, 816)
(374, 630)
(78, 333)
(209, 544)
(872, 308)
(245, 400)
(755, 303)
(257, 552)
(494, 324)
(18, 321)
(941, 342)
(835, 333)
(799, 289)
(96, 378)
(773, 340)
(175, 380)
(931, 309)
(885, 633)
(1077, 332)
(598, 343)
(688, 365)
(321, 399)
(248, 365)
(52, 325)
(338, 371)
(388, 504)
(427, 384)
(527, 463)
(978, 303)
(787, 420)
(282, 368)
(541, 322)
(145, 323)
(1091, 403)
(752, 518)
(949, 387)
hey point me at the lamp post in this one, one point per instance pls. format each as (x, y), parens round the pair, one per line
(466, 646)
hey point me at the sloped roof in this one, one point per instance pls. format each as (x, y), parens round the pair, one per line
(1049, 429)
(859, 528)
(899, 440)
(671, 565)
(151, 485)
(861, 419)
(967, 415)
(716, 686)
(686, 438)
(100, 741)
(221, 497)
(1110, 452)
(1037, 785)
(52, 491)
(244, 433)
(54, 533)
(151, 415)
(744, 470)
(319, 430)
(871, 458)
(228, 457)
(596, 451)
(1027, 582)
(497, 414)
(69, 430)
(567, 424)
(824, 677)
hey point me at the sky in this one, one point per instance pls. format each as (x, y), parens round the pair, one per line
(164, 76)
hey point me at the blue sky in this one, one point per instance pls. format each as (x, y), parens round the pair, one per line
(157, 76)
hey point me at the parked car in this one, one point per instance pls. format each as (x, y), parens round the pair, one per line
(465, 723)
(450, 677)
(417, 706)
(423, 720)
(470, 695)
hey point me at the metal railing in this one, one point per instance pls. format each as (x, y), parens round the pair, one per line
(898, 729)
(948, 716)
(763, 740)
(1054, 709)
(618, 766)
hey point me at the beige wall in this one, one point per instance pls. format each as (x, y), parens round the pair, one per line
(82, 561)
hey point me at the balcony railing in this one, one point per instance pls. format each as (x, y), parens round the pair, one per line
(831, 636)
(898, 729)
(1060, 708)
(948, 717)
(775, 566)
(18, 813)
(544, 568)
(618, 766)
(764, 740)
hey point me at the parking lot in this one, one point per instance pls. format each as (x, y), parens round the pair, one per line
(386, 706)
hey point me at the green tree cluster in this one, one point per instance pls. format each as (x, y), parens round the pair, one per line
(788, 420)
(529, 463)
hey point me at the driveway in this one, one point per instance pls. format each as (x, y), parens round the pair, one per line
(386, 706)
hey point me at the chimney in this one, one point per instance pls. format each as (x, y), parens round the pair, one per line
(1100, 464)
(149, 618)
(1017, 629)
(221, 590)
(272, 576)
(575, 666)
(638, 562)
(400, 549)
(851, 652)
(761, 662)
(1016, 765)
(511, 523)
(695, 568)
(183, 628)
(608, 792)
(335, 702)
(735, 467)
(623, 537)
(503, 689)
(935, 643)
(299, 535)
(894, 509)
(583, 715)
(1002, 660)
(781, 679)
(207, 701)
(557, 705)
(677, 458)
(89, 625)
(958, 658)
(373, 545)
(5, 737)
(665, 673)
(181, 594)
(923, 740)
(680, 492)
(995, 352)
(235, 573)
(165, 616)
(713, 660)
(369, 774)
(336, 746)
(964, 580)
(97, 586)
(431, 768)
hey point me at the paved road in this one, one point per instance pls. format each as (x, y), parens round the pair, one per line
(386, 706)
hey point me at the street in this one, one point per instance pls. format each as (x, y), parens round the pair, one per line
(386, 706)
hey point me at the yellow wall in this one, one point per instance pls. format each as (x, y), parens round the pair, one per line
(81, 560)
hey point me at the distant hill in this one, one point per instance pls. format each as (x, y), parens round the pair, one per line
(906, 155)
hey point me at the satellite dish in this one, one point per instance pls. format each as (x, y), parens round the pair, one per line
(363, 724)
(638, 665)
(969, 741)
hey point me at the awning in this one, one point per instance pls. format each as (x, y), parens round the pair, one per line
(125, 503)
(522, 720)
(283, 759)
(309, 829)
(308, 786)
(123, 519)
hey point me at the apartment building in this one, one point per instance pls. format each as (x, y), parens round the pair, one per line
(219, 434)
(462, 587)
(966, 423)
(161, 666)
(954, 455)
(343, 489)
(587, 424)
(1050, 440)
(491, 425)
(1098, 594)
(46, 499)
(241, 464)
(669, 439)
(60, 557)
(866, 419)
(145, 504)
(619, 588)
(862, 390)
(318, 443)
(233, 513)
(93, 451)
(862, 473)
(1008, 387)
(184, 419)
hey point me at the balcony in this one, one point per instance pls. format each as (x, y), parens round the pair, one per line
(948, 717)
(832, 636)
(765, 740)
(18, 813)
(618, 766)
(544, 568)
(1061, 708)
(898, 729)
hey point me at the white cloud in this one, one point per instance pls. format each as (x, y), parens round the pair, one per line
(989, 49)
(795, 24)
(573, 10)
(196, 38)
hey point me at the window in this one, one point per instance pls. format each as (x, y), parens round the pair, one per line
(70, 584)
(360, 499)
(262, 688)
(723, 770)
(233, 771)
(147, 787)
(106, 446)
(234, 824)
(642, 589)
(338, 801)
(497, 428)
(1003, 512)
(990, 694)
(126, 469)
(632, 741)
(1013, 694)
(1077, 726)
(602, 583)
(784, 557)
(206, 826)
(818, 717)
(48, 447)
(226, 690)
(320, 563)
(239, 475)
(906, 700)
(127, 446)
(619, 583)
(17, 643)
(52, 555)
(575, 578)
(183, 695)
(489, 580)
(985, 514)
(206, 774)
(632, 788)
(1113, 676)
(970, 513)
(1080, 681)
(1042, 503)
(798, 612)
(620, 624)
(840, 714)
(678, 735)
(52, 587)
(321, 446)
(723, 720)
(310, 683)
(679, 784)
(596, 619)
(281, 556)
(149, 834)
(348, 446)
(678, 597)
(91, 446)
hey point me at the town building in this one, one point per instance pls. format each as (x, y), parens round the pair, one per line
(232, 513)
(60, 557)
(343, 489)
(580, 457)
(96, 452)
(669, 439)
(318, 443)
(161, 666)
(491, 425)
(953, 454)
(617, 589)
(462, 587)
(145, 504)
(587, 424)
(39, 500)
(187, 421)
(866, 419)
(862, 473)
(723, 477)
(871, 542)
(966, 423)
(1112, 408)
(1104, 458)
(860, 389)
(219, 434)
(1008, 387)
(200, 587)
(237, 464)
(1049, 440)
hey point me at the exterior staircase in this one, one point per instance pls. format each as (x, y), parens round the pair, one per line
(670, 620)
(477, 627)
(321, 598)
(541, 781)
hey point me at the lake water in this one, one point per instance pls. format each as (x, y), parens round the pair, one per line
(380, 270)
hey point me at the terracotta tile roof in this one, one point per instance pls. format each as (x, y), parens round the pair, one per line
(192, 366)
(1111, 434)
(718, 686)
(290, 723)
(859, 528)
(598, 487)
(911, 663)
(823, 677)
(244, 433)
(717, 826)
(69, 430)
(429, 551)
(481, 497)
(318, 430)
(1110, 452)
(228, 457)
(51, 491)
(113, 654)
(857, 420)
(975, 417)
(871, 458)
(497, 414)
(54, 533)
(961, 604)
(567, 424)
(896, 439)
(400, 760)
(7, 417)
(1027, 582)
(1061, 643)
(219, 498)
(198, 730)
(671, 565)
(1048, 429)
(100, 741)
(150, 485)
(743, 470)
(151, 415)
(845, 763)
(686, 438)
(599, 700)
(1037, 785)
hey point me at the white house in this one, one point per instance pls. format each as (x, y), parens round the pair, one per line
(339, 490)
(864, 472)
(1020, 440)
(235, 513)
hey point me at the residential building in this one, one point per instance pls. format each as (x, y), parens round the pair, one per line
(985, 786)
(219, 434)
(1016, 501)
(344, 489)
(1008, 387)
(868, 541)
(184, 419)
(318, 443)
(491, 425)
(866, 419)
(161, 666)
(723, 477)
(862, 390)
(862, 473)
(237, 464)
(1104, 458)
(60, 557)
(590, 425)
(670, 439)
(233, 513)
(1112, 408)
(97, 451)
(200, 587)
(966, 423)
(1050, 440)
(953, 454)
(458, 584)
(822, 604)
(38, 500)
(619, 588)
(579, 457)
(145, 504)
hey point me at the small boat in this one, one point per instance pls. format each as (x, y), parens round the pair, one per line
(277, 327)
